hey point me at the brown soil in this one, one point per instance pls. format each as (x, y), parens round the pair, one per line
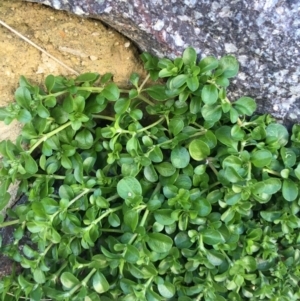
(83, 44)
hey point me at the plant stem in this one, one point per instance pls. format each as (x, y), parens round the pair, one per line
(146, 213)
(49, 135)
(104, 117)
(151, 125)
(210, 187)
(82, 283)
(54, 94)
(145, 99)
(275, 173)
(57, 177)
(209, 163)
(84, 192)
(107, 212)
(111, 230)
(143, 83)
(9, 223)
(112, 198)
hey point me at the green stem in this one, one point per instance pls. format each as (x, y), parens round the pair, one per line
(54, 94)
(57, 177)
(145, 99)
(209, 163)
(84, 192)
(151, 125)
(275, 173)
(210, 187)
(49, 135)
(82, 283)
(9, 223)
(249, 171)
(107, 212)
(146, 213)
(55, 276)
(143, 83)
(111, 230)
(104, 117)
(121, 131)
(112, 198)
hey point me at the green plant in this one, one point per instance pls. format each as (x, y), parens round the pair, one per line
(171, 193)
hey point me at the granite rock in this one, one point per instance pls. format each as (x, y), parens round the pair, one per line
(263, 34)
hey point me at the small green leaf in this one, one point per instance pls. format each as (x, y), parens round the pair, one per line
(297, 171)
(228, 66)
(129, 187)
(106, 78)
(157, 92)
(39, 276)
(87, 77)
(23, 97)
(68, 280)
(289, 190)
(211, 113)
(165, 169)
(111, 92)
(261, 158)
(178, 81)
(203, 207)
(189, 56)
(166, 289)
(131, 219)
(270, 216)
(180, 157)
(121, 105)
(269, 186)
(84, 139)
(245, 105)
(223, 134)
(50, 102)
(209, 94)
(193, 83)
(132, 254)
(163, 216)
(278, 131)
(198, 150)
(31, 166)
(215, 258)
(288, 157)
(68, 104)
(212, 237)
(156, 155)
(176, 125)
(49, 82)
(100, 283)
(159, 243)
(24, 116)
(150, 173)
(208, 63)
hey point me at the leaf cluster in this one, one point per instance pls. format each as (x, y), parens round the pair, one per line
(161, 192)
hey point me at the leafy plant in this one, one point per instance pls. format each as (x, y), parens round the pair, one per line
(166, 191)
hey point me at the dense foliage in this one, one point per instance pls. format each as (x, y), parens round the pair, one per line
(166, 191)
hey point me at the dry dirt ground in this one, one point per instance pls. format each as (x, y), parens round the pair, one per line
(82, 44)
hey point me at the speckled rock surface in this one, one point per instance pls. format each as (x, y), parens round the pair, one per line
(263, 34)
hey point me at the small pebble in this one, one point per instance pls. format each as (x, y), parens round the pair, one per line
(127, 44)
(93, 58)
